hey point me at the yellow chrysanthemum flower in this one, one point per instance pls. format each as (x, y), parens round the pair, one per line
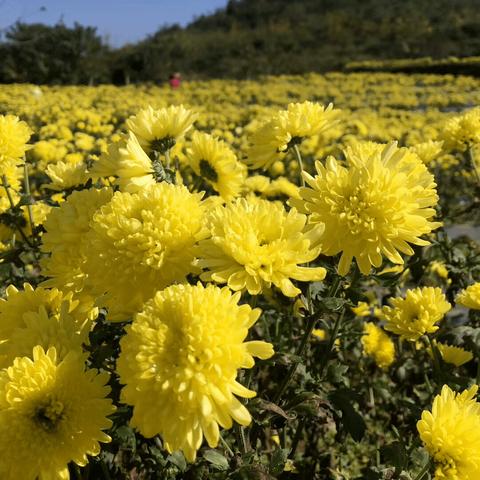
(439, 269)
(451, 434)
(375, 205)
(255, 243)
(14, 135)
(39, 211)
(65, 175)
(417, 313)
(52, 412)
(287, 128)
(60, 330)
(377, 344)
(179, 360)
(66, 228)
(141, 242)
(256, 184)
(462, 131)
(367, 309)
(216, 163)
(282, 186)
(127, 161)
(455, 355)
(428, 151)
(158, 130)
(470, 297)
(42, 317)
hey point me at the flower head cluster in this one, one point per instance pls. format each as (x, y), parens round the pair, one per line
(470, 297)
(43, 317)
(216, 163)
(142, 242)
(462, 131)
(66, 228)
(14, 135)
(158, 130)
(255, 244)
(179, 360)
(377, 344)
(127, 161)
(451, 434)
(287, 128)
(417, 313)
(65, 175)
(429, 151)
(374, 206)
(52, 412)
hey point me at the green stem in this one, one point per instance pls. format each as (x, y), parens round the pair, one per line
(298, 435)
(241, 440)
(299, 352)
(12, 205)
(227, 447)
(424, 470)
(300, 162)
(437, 360)
(105, 471)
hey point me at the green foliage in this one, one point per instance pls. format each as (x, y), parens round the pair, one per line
(249, 38)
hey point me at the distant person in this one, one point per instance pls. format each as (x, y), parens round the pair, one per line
(175, 80)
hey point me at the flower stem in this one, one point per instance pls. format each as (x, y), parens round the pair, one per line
(105, 471)
(424, 470)
(227, 447)
(241, 440)
(300, 162)
(311, 320)
(437, 360)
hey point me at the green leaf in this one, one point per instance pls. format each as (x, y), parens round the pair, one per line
(394, 454)
(216, 459)
(178, 460)
(351, 420)
(333, 304)
(279, 458)
(126, 437)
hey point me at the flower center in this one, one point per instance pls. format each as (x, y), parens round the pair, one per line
(294, 141)
(49, 415)
(161, 145)
(354, 212)
(207, 171)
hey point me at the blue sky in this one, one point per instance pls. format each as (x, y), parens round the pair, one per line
(121, 21)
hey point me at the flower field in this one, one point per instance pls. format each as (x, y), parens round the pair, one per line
(241, 279)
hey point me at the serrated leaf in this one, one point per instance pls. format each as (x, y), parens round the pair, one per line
(126, 437)
(216, 459)
(279, 458)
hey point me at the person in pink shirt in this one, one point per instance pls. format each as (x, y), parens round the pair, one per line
(175, 80)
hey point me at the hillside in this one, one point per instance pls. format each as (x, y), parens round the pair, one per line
(251, 37)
